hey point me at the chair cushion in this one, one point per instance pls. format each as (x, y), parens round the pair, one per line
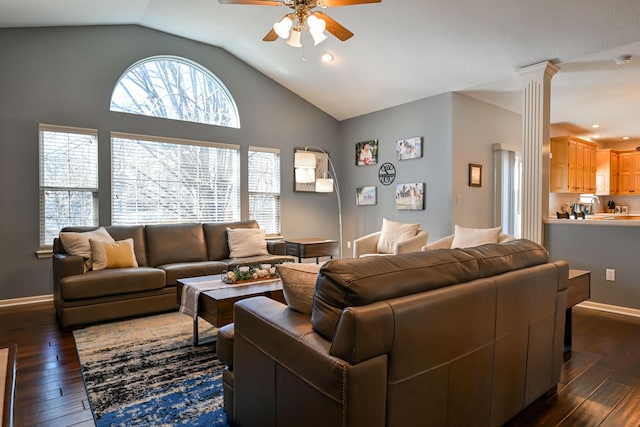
(298, 284)
(112, 254)
(393, 232)
(470, 237)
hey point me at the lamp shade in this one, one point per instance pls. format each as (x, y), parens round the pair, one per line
(324, 185)
(316, 25)
(294, 40)
(305, 175)
(318, 38)
(282, 28)
(304, 159)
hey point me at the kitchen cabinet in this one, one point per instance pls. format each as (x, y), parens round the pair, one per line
(607, 172)
(629, 172)
(573, 165)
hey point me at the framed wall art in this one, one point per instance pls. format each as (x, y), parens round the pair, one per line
(410, 196)
(322, 168)
(409, 148)
(367, 153)
(475, 175)
(366, 196)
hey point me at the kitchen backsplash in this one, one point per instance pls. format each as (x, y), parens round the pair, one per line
(557, 200)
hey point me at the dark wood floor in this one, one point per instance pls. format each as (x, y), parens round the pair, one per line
(600, 383)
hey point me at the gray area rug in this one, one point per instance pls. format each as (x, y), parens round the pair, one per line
(147, 372)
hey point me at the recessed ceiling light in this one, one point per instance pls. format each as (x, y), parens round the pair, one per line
(326, 57)
(622, 59)
(596, 136)
(625, 137)
(595, 126)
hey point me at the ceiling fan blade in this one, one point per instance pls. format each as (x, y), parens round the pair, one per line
(336, 3)
(271, 36)
(334, 27)
(253, 2)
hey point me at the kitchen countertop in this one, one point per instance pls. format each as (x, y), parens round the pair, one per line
(602, 219)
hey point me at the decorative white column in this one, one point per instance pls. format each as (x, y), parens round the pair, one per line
(536, 116)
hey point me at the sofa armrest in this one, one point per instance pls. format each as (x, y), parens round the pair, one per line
(414, 244)
(281, 362)
(66, 265)
(444, 243)
(367, 244)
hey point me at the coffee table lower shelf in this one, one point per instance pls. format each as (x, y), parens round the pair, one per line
(216, 306)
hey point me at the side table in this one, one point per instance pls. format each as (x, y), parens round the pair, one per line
(312, 247)
(578, 290)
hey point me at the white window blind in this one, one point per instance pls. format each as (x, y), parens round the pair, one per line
(160, 180)
(264, 188)
(68, 180)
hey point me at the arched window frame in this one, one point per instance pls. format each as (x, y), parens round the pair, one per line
(149, 104)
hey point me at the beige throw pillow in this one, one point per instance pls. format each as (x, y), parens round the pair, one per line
(298, 284)
(469, 237)
(112, 254)
(78, 243)
(393, 232)
(245, 242)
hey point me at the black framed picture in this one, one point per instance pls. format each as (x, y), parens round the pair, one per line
(475, 175)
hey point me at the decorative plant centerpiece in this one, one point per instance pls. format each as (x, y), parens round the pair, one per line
(248, 273)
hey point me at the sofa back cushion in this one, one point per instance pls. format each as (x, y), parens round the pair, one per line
(135, 232)
(360, 281)
(215, 235)
(172, 243)
(499, 258)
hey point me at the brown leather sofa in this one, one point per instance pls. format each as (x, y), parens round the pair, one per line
(164, 253)
(465, 337)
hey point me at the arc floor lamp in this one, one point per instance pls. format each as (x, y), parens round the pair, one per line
(305, 171)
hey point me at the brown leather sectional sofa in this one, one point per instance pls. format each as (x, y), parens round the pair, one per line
(465, 337)
(164, 254)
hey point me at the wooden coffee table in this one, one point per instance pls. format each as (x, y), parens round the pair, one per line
(216, 306)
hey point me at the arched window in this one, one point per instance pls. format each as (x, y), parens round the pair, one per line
(174, 88)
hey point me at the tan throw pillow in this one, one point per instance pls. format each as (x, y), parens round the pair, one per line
(393, 232)
(470, 237)
(78, 243)
(298, 284)
(112, 254)
(245, 242)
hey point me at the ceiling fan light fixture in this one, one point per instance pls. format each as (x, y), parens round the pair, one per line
(294, 39)
(318, 38)
(283, 27)
(316, 25)
(622, 59)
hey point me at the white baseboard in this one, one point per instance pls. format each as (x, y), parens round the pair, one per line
(616, 309)
(25, 300)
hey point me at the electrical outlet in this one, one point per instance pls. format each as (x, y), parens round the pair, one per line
(610, 275)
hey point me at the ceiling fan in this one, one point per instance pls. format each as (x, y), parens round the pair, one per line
(304, 17)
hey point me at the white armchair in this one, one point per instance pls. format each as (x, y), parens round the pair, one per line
(394, 238)
(471, 237)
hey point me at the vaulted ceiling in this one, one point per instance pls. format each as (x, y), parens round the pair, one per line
(408, 50)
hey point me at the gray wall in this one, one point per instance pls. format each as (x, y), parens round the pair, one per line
(429, 118)
(456, 130)
(65, 76)
(595, 248)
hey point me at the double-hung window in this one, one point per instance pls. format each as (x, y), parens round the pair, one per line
(68, 180)
(161, 180)
(264, 188)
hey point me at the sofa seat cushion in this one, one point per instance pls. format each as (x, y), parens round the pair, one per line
(94, 284)
(191, 269)
(259, 259)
